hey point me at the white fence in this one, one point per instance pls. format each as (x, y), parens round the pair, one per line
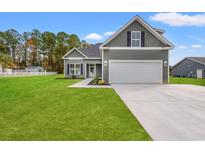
(24, 73)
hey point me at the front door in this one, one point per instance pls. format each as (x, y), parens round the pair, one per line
(92, 70)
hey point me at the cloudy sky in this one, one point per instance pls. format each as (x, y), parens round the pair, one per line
(185, 30)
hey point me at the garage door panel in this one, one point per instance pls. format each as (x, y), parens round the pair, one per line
(135, 72)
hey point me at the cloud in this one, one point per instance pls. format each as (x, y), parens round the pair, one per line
(93, 36)
(108, 33)
(196, 46)
(182, 47)
(197, 38)
(178, 19)
(190, 48)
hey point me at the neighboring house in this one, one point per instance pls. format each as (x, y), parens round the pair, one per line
(34, 69)
(136, 53)
(191, 67)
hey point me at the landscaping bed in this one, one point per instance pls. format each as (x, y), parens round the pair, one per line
(97, 81)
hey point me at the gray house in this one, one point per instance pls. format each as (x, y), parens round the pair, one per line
(191, 67)
(136, 53)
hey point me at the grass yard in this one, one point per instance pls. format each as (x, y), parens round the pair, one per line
(178, 80)
(44, 108)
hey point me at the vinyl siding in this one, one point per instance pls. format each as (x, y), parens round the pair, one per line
(99, 70)
(135, 55)
(75, 54)
(85, 68)
(121, 39)
(185, 68)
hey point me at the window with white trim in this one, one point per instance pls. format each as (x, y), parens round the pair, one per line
(74, 69)
(136, 39)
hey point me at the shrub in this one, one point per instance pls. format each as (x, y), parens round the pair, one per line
(101, 82)
(95, 80)
(73, 77)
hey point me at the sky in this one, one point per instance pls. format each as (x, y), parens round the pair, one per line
(185, 30)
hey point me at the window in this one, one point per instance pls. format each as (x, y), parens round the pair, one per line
(136, 39)
(75, 69)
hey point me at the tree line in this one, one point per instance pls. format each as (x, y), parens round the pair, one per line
(35, 48)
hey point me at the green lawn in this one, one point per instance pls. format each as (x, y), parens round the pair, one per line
(178, 80)
(44, 108)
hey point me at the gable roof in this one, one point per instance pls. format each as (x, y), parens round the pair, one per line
(200, 60)
(74, 49)
(146, 25)
(91, 52)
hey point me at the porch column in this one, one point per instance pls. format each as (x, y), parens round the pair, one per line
(85, 68)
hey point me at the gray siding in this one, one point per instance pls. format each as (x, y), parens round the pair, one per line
(135, 55)
(185, 68)
(99, 70)
(121, 39)
(75, 54)
(76, 61)
(85, 68)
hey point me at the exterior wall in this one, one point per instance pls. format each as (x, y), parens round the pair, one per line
(75, 54)
(99, 70)
(121, 39)
(186, 67)
(76, 61)
(135, 55)
(85, 63)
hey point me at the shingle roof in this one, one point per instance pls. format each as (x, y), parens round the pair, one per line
(198, 59)
(93, 51)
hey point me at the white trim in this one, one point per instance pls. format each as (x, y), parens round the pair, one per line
(146, 25)
(85, 64)
(94, 70)
(162, 66)
(102, 52)
(74, 58)
(136, 39)
(64, 68)
(136, 48)
(151, 61)
(82, 58)
(74, 68)
(72, 51)
(168, 68)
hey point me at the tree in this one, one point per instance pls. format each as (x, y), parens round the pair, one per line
(84, 44)
(62, 45)
(36, 43)
(25, 40)
(11, 39)
(49, 42)
(74, 41)
(6, 60)
(36, 48)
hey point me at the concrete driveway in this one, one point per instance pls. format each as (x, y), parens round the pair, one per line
(167, 112)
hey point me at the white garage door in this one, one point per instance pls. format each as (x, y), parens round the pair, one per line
(135, 71)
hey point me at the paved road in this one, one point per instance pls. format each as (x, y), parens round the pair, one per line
(167, 112)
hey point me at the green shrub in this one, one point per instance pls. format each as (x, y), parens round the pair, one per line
(73, 77)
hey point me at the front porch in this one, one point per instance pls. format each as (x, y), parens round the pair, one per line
(93, 70)
(83, 69)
